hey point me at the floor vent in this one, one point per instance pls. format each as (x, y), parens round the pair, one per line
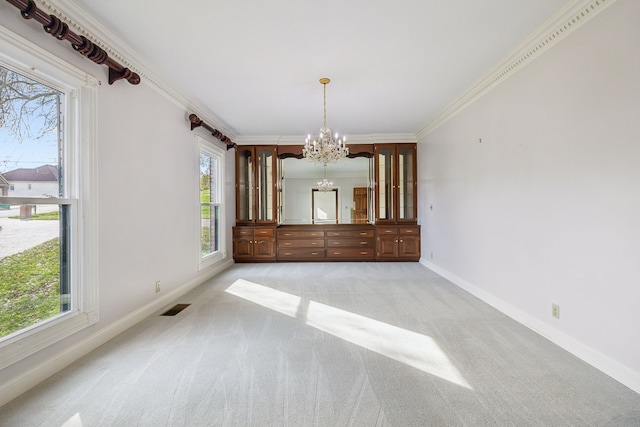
(175, 309)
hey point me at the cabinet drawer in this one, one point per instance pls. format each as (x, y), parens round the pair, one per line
(263, 232)
(350, 233)
(350, 253)
(300, 253)
(301, 243)
(242, 232)
(285, 234)
(387, 231)
(410, 230)
(349, 242)
(250, 232)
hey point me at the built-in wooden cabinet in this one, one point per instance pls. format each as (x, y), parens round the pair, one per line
(396, 195)
(351, 244)
(342, 242)
(256, 183)
(254, 244)
(398, 243)
(301, 243)
(390, 234)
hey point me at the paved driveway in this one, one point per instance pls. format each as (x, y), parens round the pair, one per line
(17, 235)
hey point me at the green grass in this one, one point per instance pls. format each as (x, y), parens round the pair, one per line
(55, 215)
(29, 287)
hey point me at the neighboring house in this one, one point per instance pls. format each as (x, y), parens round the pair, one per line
(4, 186)
(36, 182)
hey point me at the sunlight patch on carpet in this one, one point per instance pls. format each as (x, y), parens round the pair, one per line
(411, 348)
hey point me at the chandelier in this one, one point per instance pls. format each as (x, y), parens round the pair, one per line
(325, 184)
(327, 148)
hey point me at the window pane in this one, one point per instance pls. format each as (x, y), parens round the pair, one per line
(34, 237)
(29, 135)
(31, 258)
(209, 200)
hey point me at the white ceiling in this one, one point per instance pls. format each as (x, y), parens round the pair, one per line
(394, 65)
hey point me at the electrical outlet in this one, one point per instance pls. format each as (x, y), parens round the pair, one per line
(555, 310)
(157, 286)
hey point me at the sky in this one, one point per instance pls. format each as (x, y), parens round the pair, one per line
(27, 151)
(15, 154)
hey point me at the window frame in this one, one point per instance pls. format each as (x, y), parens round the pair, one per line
(210, 149)
(80, 183)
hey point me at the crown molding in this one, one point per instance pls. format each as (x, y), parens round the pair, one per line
(568, 19)
(299, 139)
(84, 24)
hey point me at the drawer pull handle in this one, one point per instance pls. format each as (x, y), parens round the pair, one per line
(314, 253)
(287, 243)
(336, 253)
(363, 253)
(314, 243)
(363, 243)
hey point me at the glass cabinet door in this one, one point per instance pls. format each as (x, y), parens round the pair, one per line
(396, 183)
(256, 184)
(266, 179)
(385, 183)
(406, 189)
(245, 185)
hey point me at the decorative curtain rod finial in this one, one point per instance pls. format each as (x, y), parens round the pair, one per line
(60, 30)
(197, 122)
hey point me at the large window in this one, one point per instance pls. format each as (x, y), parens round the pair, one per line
(211, 161)
(48, 288)
(35, 221)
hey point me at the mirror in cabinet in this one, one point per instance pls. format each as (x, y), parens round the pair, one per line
(350, 201)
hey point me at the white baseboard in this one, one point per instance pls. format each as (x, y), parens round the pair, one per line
(614, 369)
(56, 363)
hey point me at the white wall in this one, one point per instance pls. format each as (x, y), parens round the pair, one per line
(546, 209)
(33, 189)
(148, 170)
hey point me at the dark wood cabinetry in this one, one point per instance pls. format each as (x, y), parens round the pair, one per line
(398, 243)
(256, 183)
(342, 242)
(254, 244)
(300, 244)
(396, 192)
(351, 244)
(390, 233)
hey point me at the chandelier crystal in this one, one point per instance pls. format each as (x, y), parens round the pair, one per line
(328, 148)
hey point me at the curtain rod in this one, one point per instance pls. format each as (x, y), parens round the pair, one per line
(60, 30)
(196, 122)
